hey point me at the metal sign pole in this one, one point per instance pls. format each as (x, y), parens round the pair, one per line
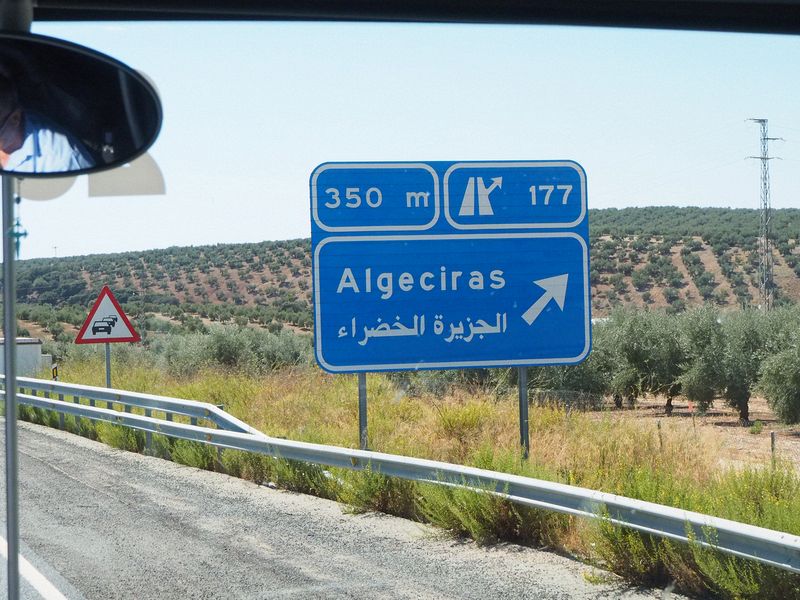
(524, 437)
(362, 410)
(108, 365)
(10, 360)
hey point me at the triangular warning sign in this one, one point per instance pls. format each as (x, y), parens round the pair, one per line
(106, 322)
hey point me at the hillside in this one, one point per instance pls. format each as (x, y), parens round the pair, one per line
(268, 282)
(660, 257)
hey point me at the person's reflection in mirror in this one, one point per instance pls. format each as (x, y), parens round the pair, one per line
(30, 143)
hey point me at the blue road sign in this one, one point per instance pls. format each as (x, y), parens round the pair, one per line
(449, 265)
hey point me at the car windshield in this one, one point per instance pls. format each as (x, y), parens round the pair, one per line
(655, 117)
(249, 264)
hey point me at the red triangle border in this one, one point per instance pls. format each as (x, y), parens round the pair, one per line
(106, 291)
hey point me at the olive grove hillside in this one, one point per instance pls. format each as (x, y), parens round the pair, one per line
(657, 257)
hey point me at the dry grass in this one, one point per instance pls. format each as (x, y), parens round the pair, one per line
(600, 451)
(672, 464)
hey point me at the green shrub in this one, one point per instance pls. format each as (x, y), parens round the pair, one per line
(635, 556)
(183, 355)
(304, 478)
(739, 579)
(780, 383)
(247, 465)
(120, 437)
(194, 454)
(371, 491)
(40, 416)
(591, 376)
(234, 348)
(486, 517)
(767, 497)
(161, 447)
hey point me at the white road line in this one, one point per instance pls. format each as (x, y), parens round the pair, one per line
(31, 574)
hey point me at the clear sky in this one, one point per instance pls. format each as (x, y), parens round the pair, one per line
(250, 109)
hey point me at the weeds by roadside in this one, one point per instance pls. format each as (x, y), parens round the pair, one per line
(671, 465)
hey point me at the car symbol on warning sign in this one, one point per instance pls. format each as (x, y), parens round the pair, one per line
(112, 327)
(99, 326)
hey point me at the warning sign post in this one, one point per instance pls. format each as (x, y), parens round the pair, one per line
(106, 324)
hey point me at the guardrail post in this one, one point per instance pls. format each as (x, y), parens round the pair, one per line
(61, 424)
(524, 435)
(77, 400)
(148, 436)
(219, 448)
(362, 410)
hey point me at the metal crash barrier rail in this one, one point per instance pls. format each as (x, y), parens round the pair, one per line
(778, 549)
(196, 411)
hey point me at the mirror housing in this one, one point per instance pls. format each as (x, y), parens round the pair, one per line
(67, 110)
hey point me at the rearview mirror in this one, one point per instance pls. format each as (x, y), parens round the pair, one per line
(68, 110)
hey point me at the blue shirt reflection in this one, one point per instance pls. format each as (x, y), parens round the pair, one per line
(44, 149)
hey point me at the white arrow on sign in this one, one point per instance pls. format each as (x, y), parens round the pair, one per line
(555, 288)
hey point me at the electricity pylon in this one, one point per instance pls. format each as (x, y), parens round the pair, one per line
(766, 284)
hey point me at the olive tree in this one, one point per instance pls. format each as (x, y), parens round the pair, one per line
(744, 350)
(780, 383)
(590, 376)
(628, 355)
(648, 355)
(702, 343)
(667, 358)
(780, 371)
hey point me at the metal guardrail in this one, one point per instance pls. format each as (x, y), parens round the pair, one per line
(774, 548)
(196, 411)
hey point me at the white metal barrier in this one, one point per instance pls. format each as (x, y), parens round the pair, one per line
(774, 548)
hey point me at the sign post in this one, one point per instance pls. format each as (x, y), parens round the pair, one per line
(108, 365)
(524, 436)
(10, 364)
(106, 324)
(450, 265)
(362, 410)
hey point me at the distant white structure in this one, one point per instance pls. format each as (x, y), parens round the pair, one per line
(30, 359)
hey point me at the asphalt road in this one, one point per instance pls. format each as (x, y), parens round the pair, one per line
(101, 523)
